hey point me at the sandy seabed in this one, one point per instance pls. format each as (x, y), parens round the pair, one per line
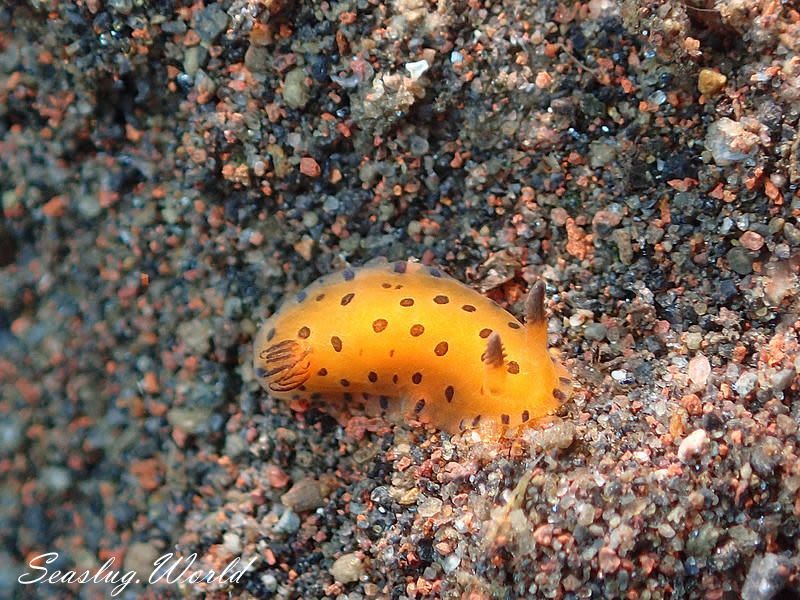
(170, 171)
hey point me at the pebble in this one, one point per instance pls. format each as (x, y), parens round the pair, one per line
(304, 495)
(381, 496)
(295, 88)
(232, 542)
(791, 234)
(417, 69)
(701, 542)
(418, 146)
(276, 476)
(428, 506)
(235, 446)
(270, 583)
(710, 82)
(288, 523)
(766, 578)
(10, 435)
(657, 98)
(310, 167)
(450, 562)
(571, 583)
(746, 383)
(766, 456)
(606, 220)
(331, 204)
(232, 309)
(699, 370)
(694, 339)
(595, 331)
(209, 23)
(543, 80)
(347, 568)
(622, 238)
(122, 6)
(190, 420)
(729, 142)
(56, 479)
(782, 379)
(89, 206)
(192, 59)
(786, 425)
(692, 445)
(602, 153)
(751, 240)
(740, 260)
(579, 317)
(406, 497)
(744, 537)
(256, 58)
(558, 437)
(620, 376)
(608, 560)
(666, 530)
(585, 514)
(196, 334)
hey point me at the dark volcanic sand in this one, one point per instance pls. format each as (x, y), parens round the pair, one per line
(169, 171)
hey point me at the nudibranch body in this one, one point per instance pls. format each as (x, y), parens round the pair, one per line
(404, 339)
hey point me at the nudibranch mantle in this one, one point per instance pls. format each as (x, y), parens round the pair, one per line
(406, 340)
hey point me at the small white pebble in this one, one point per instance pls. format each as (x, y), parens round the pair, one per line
(746, 383)
(699, 369)
(731, 141)
(428, 507)
(658, 98)
(347, 568)
(450, 563)
(270, 583)
(416, 69)
(692, 445)
(619, 375)
(456, 57)
(585, 512)
(232, 543)
(579, 317)
(666, 531)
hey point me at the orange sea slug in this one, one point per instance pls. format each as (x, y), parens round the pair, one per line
(404, 339)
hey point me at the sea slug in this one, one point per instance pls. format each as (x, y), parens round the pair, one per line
(406, 340)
